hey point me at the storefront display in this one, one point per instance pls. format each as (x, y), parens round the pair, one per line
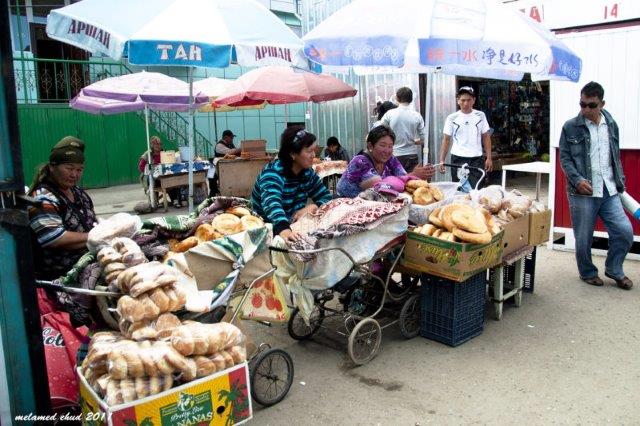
(518, 113)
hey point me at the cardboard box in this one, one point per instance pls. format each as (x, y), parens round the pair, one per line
(516, 235)
(237, 177)
(539, 226)
(167, 157)
(253, 148)
(454, 261)
(203, 401)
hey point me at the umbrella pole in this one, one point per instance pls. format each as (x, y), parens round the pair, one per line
(191, 139)
(152, 195)
(215, 129)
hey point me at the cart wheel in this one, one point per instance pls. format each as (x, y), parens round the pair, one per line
(299, 330)
(410, 317)
(398, 290)
(271, 375)
(364, 341)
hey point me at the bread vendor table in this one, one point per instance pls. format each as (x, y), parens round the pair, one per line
(332, 170)
(537, 167)
(498, 297)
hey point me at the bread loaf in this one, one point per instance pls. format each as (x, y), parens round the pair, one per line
(204, 339)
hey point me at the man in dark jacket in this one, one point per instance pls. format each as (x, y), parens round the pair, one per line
(590, 158)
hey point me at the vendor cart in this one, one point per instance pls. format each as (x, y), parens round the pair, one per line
(270, 369)
(369, 300)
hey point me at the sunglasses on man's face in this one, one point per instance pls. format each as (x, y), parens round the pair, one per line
(591, 105)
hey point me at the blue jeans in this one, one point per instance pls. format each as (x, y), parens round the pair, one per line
(584, 211)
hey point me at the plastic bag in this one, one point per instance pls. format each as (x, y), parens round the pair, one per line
(118, 225)
(159, 328)
(490, 198)
(265, 302)
(194, 338)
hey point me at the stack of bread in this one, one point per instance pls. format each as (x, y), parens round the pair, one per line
(150, 289)
(232, 221)
(506, 206)
(121, 254)
(422, 192)
(459, 222)
(121, 370)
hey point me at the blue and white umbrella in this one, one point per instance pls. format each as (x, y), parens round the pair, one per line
(478, 38)
(189, 33)
(201, 33)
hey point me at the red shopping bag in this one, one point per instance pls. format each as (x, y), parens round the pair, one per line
(61, 342)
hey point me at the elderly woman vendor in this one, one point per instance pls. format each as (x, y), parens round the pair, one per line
(284, 186)
(62, 221)
(377, 163)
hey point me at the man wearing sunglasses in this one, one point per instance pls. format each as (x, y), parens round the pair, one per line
(590, 158)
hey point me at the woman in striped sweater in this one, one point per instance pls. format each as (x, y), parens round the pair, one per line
(284, 186)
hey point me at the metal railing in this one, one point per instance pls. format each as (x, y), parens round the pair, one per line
(47, 81)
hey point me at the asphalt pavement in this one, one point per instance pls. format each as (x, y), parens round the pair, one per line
(568, 355)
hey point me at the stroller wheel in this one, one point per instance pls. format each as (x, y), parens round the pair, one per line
(271, 375)
(409, 320)
(299, 330)
(364, 341)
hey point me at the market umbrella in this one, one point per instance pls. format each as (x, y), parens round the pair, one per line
(137, 92)
(284, 85)
(479, 38)
(213, 87)
(187, 33)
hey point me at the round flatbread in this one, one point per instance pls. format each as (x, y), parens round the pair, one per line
(470, 237)
(469, 220)
(238, 211)
(436, 193)
(227, 224)
(422, 196)
(434, 217)
(250, 222)
(416, 183)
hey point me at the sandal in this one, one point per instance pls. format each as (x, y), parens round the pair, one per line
(624, 283)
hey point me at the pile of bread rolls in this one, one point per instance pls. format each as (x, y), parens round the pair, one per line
(422, 192)
(505, 206)
(121, 370)
(459, 222)
(150, 289)
(121, 254)
(232, 221)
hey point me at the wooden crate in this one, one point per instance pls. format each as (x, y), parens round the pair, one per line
(256, 148)
(238, 176)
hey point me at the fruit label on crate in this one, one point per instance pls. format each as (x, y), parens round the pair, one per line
(220, 399)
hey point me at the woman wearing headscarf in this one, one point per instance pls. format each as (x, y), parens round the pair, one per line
(65, 215)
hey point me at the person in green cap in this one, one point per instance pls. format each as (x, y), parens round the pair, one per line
(62, 222)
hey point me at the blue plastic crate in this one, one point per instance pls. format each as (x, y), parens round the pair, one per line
(452, 312)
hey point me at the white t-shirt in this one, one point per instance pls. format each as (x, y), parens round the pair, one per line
(466, 132)
(408, 125)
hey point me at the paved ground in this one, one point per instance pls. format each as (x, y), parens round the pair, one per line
(568, 355)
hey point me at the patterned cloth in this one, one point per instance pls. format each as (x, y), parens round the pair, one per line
(56, 215)
(277, 194)
(338, 218)
(360, 169)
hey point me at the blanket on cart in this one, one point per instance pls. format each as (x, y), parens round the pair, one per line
(340, 218)
(361, 232)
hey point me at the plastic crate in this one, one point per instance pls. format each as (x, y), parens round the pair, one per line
(529, 271)
(509, 273)
(452, 312)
